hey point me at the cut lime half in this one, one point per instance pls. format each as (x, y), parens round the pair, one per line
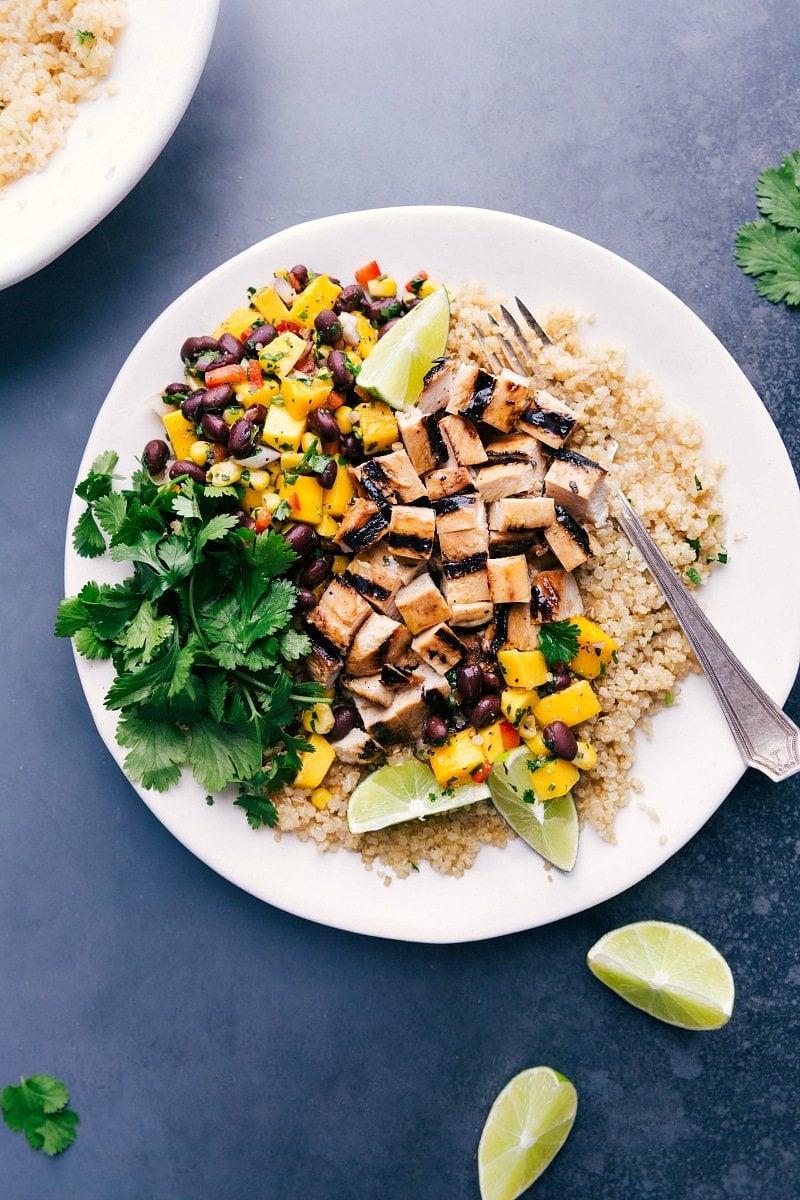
(526, 1127)
(395, 369)
(668, 971)
(405, 793)
(549, 826)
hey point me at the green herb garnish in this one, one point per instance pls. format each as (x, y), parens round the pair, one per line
(84, 37)
(312, 461)
(693, 575)
(37, 1107)
(769, 248)
(558, 641)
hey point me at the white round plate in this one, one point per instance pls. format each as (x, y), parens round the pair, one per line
(691, 763)
(113, 140)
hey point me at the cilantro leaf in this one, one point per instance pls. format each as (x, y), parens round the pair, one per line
(778, 192)
(558, 641)
(216, 528)
(773, 256)
(111, 511)
(37, 1108)
(294, 645)
(146, 631)
(105, 463)
(272, 554)
(144, 684)
(219, 753)
(158, 749)
(89, 645)
(109, 608)
(258, 808)
(234, 624)
(87, 536)
(53, 1134)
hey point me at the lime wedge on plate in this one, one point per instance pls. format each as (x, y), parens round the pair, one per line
(549, 826)
(668, 971)
(526, 1127)
(396, 368)
(394, 794)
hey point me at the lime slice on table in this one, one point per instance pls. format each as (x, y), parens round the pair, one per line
(394, 794)
(526, 1127)
(395, 369)
(549, 826)
(668, 971)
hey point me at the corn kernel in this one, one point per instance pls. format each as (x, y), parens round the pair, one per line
(586, 758)
(223, 474)
(344, 418)
(321, 798)
(232, 414)
(382, 288)
(527, 726)
(308, 440)
(318, 719)
(259, 480)
(198, 453)
(270, 501)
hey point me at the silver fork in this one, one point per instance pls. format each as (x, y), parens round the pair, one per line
(766, 738)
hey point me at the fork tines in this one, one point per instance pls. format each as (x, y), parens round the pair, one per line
(513, 341)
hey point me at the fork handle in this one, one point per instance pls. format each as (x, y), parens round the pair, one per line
(767, 739)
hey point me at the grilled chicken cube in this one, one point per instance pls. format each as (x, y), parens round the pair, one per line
(369, 687)
(358, 747)
(523, 541)
(411, 532)
(515, 447)
(439, 647)
(421, 604)
(571, 543)
(464, 511)
(496, 400)
(390, 479)
(423, 440)
(449, 481)
(523, 512)
(467, 581)
(509, 582)
(362, 525)
(394, 676)
(379, 639)
(470, 616)
(401, 721)
(464, 441)
(498, 480)
(579, 485)
(509, 398)
(514, 626)
(436, 392)
(340, 613)
(555, 596)
(459, 544)
(549, 420)
(322, 663)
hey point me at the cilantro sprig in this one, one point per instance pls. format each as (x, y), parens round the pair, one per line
(37, 1107)
(769, 248)
(200, 635)
(558, 641)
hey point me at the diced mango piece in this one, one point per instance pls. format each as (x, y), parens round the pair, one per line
(327, 526)
(180, 433)
(596, 649)
(282, 431)
(378, 426)
(382, 288)
(340, 564)
(586, 757)
(318, 719)
(493, 741)
(554, 778)
(454, 762)
(239, 320)
(518, 703)
(282, 354)
(314, 763)
(575, 704)
(301, 393)
(270, 305)
(367, 333)
(252, 499)
(265, 394)
(321, 798)
(304, 498)
(338, 497)
(523, 668)
(426, 287)
(537, 746)
(319, 294)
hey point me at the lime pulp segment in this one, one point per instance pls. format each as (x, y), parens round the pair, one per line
(396, 368)
(404, 793)
(550, 827)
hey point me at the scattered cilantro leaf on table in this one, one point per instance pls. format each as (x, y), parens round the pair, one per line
(769, 248)
(37, 1107)
(558, 641)
(200, 634)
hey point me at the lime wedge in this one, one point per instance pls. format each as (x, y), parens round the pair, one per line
(526, 1127)
(397, 366)
(668, 971)
(394, 794)
(549, 826)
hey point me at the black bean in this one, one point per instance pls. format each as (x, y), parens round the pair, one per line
(559, 738)
(232, 345)
(176, 389)
(244, 520)
(300, 272)
(327, 323)
(306, 600)
(302, 538)
(262, 335)
(192, 406)
(195, 346)
(215, 428)
(343, 378)
(435, 731)
(216, 398)
(349, 299)
(241, 437)
(492, 679)
(322, 422)
(469, 681)
(256, 414)
(350, 447)
(486, 711)
(327, 476)
(224, 359)
(183, 466)
(344, 720)
(316, 572)
(561, 676)
(155, 456)
(389, 325)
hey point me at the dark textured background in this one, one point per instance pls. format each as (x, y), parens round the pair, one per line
(215, 1047)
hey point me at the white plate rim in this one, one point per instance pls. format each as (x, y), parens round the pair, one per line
(454, 910)
(50, 196)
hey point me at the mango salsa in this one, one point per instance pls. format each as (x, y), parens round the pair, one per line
(554, 778)
(314, 763)
(282, 431)
(575, 704)
(523, 668)
(180, 433)
(378, 427)
(319, 294)
(270, 305)
(596, 649)
(304, 498)
(454, 762)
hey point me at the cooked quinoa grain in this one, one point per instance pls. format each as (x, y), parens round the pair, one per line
(658, 463)
(52, 54)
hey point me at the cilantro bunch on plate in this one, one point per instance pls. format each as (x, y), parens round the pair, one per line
(37, 1107)
(769, 248)
(200, 635)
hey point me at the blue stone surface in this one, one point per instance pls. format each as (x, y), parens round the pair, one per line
(214, 1046)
